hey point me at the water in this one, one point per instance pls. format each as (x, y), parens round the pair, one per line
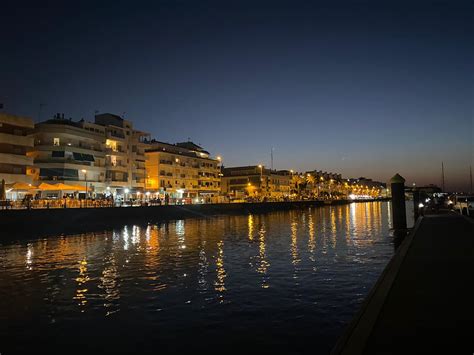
(280, 282)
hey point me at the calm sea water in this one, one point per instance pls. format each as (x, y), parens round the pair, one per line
(278, 282)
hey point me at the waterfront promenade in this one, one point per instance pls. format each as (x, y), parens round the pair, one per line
(422, 303)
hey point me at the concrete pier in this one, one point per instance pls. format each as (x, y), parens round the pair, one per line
(422, 303)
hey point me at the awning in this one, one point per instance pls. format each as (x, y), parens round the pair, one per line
(21, 186)
(47, 187)
(60, 187)
(65, 187)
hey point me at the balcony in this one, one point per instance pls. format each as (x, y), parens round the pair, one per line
(26, 141)
(114, 135)
(12, 178)
(110, 151)
(64, 161)
(117, 167)
(16, 159)
(97, 151)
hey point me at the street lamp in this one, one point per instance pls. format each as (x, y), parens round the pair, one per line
(261, 177)
(85, 178)
(291, 180)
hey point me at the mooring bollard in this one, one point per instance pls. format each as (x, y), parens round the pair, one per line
(416, 202)
(399, 218)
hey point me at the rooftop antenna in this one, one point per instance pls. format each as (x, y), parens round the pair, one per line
(442, 176)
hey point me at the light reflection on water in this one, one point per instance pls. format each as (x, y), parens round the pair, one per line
(283, 280)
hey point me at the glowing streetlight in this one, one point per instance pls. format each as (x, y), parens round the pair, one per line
(261, 177)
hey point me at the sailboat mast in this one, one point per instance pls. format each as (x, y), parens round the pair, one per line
(442, 176)
(271, 153)
(470, 175)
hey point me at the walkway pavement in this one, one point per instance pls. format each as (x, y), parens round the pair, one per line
(424, 301)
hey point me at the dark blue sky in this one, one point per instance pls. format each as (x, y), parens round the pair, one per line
(360, 88)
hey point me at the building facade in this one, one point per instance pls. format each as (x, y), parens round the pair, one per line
(107, 156)
(182, 171)
(16, 141)
(256, 182)
(125, 153)
(69, 152)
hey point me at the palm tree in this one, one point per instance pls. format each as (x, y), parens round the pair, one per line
(310, 180)
(298, 181)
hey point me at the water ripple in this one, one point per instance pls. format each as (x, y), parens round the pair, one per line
(286, 272)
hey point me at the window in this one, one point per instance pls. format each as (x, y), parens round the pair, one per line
(58, 173)
(57, 154)
(56, 141)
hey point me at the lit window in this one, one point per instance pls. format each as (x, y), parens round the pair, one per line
(56, 141)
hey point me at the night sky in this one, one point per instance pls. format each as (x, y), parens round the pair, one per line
(359, 88)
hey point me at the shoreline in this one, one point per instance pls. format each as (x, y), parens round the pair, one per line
(35, 223)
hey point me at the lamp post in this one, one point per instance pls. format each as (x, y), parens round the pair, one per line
(291, 182)
(85, 178)
(321, 179)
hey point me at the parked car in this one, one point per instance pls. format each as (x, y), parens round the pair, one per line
(464, 205)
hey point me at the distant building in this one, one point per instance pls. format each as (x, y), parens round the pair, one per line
(255, 181)
(362, 181)
(182, 170)
(365, 186)
(15, 142)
